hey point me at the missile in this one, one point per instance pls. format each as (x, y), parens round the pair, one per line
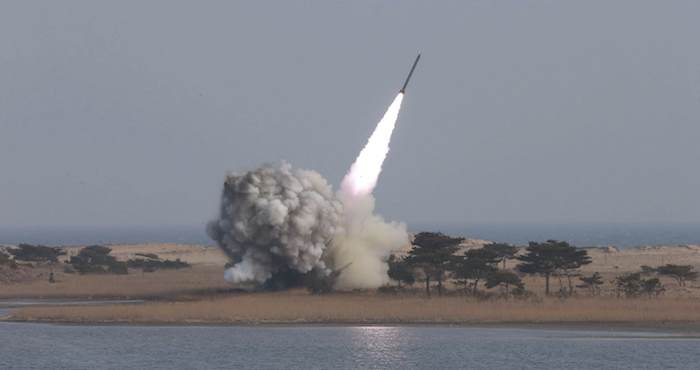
(403, 89)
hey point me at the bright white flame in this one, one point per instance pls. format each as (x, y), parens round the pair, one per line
(364, 173)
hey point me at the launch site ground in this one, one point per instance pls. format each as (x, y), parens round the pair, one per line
(199, 295)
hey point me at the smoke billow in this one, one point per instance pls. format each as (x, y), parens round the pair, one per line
(277, 222)
(275, 219)
(364, 244)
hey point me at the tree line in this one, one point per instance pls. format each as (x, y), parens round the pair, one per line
(94, 259)
(434, 259)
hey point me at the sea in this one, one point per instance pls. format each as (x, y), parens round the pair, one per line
(75, 347)
(579, 234)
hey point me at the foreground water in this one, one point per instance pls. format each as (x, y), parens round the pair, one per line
(43, 346)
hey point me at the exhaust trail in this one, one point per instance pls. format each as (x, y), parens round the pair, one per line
(367, 239)
(364, 172)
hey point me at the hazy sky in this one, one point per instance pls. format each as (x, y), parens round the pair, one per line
(131, 112)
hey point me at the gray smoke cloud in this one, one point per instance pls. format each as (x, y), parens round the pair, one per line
(278, 219)
(275, 219)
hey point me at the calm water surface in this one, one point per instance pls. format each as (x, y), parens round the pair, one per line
(41, 346)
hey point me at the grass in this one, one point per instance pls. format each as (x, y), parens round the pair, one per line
(161, 283)
(369, 308)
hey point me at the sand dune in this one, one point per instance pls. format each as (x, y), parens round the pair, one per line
(194, 254)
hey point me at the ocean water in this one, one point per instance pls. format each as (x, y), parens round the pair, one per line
(582, 234)
(44, 346)
(620, 235)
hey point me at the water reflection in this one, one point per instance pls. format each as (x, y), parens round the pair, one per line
(378, 345)
(40, 346)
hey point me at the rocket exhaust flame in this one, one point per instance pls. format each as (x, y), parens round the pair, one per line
(364, 173)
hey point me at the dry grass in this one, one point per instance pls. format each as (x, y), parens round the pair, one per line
(136, 284)
(208, 271)
(300, 307)
(203, 278)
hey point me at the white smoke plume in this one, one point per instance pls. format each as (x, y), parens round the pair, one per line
(368, 239)
(364, 245)
(276, 220)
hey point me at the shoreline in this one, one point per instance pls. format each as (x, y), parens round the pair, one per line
(680, 329)
(301, 309)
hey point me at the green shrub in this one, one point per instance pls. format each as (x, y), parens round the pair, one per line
(95, 259)
(153, 264)
(36, 253)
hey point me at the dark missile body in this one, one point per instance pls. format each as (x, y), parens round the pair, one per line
(403, 89)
